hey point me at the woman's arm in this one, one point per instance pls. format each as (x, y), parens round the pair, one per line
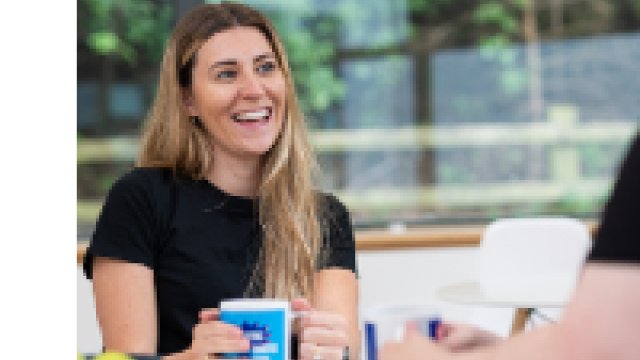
(125, 305)
(126, 309)
(602, 322)
(336, 291)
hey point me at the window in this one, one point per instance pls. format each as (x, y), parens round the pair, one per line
(421, 112)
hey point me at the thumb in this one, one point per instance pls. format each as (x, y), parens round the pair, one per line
(300, 304)
(412, 330)
(207, 315)
(444, 331)
(411, 327)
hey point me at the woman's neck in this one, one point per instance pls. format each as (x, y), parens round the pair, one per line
(238, 177)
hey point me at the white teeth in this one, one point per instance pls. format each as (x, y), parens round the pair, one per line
(253, 115)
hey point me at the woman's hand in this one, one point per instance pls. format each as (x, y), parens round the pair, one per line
(212, 337)
(323, 336)
(414, 346)
(460, 337)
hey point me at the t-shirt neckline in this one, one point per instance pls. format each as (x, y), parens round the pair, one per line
(223, 201)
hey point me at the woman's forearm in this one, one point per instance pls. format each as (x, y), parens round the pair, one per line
(600, 323)
(543, 343)
(184, 355)
(354, 346)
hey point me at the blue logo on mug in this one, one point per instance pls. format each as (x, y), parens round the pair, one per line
(263, 328)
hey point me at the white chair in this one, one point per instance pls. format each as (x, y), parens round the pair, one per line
(525, 264)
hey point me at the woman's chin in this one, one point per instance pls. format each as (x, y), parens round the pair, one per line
(255, 151)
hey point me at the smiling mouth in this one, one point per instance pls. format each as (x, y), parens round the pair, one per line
(253, 117)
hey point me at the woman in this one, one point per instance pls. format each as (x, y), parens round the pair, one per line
(222, 205)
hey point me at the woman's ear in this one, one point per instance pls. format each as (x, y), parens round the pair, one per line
(187, 101)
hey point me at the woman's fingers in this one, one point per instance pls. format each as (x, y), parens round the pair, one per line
(465, 337)
(324, 329)
(325, 337)
(300, 304)
(207, 315)
(443, 331)
(217, 337)
(322, 319)
(454, 337)
(218, 345)
(308, 351)
(322, 334)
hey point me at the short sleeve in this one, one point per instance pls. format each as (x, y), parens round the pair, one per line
(127, 225)
(340, 242)
(618, 237)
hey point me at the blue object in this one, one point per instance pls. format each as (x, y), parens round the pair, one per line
(433, 327)
(265, 331)
(370, 334)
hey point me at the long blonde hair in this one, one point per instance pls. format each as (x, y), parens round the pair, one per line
(290, 210)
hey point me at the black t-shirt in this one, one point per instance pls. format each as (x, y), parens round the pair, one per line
(201, 243)
(618, 238)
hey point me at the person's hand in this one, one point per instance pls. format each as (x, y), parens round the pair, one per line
(413, 347)
(212, 337)
(460, 337)
(323, 336)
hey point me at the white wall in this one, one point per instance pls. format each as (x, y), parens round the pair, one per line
(88, 333)
(413, 276)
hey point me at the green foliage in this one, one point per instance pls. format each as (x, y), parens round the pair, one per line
(497, 41)
(311, 51)
(572, 203)
(103, 42)
(635, 4)
(130, 30)
(453, 174)
(427, 6)
(106, 181)
(513, 80)
(496, 13)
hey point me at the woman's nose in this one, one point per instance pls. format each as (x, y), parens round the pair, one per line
(252, 86)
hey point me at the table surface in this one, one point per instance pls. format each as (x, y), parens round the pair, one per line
(471, 293)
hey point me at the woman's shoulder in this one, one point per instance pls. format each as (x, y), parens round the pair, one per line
(336, 221)
(144, 179)
(332, 205)
(329, 199)
(141, 174)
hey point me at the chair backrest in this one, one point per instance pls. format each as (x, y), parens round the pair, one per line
(535, 259)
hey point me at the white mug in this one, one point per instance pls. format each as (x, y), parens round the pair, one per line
(266, 323)
(388, 323)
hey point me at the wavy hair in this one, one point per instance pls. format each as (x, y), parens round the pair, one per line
(290, 210)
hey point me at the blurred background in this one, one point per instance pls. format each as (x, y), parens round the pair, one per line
(421, 111)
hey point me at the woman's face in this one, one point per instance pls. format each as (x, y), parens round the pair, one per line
(238, 92)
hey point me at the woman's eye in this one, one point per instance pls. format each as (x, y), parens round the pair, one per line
(226, 74)
(266, 67)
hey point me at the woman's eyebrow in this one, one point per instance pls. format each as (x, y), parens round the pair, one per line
(263, 57)
(223, 63)
(231, 62)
